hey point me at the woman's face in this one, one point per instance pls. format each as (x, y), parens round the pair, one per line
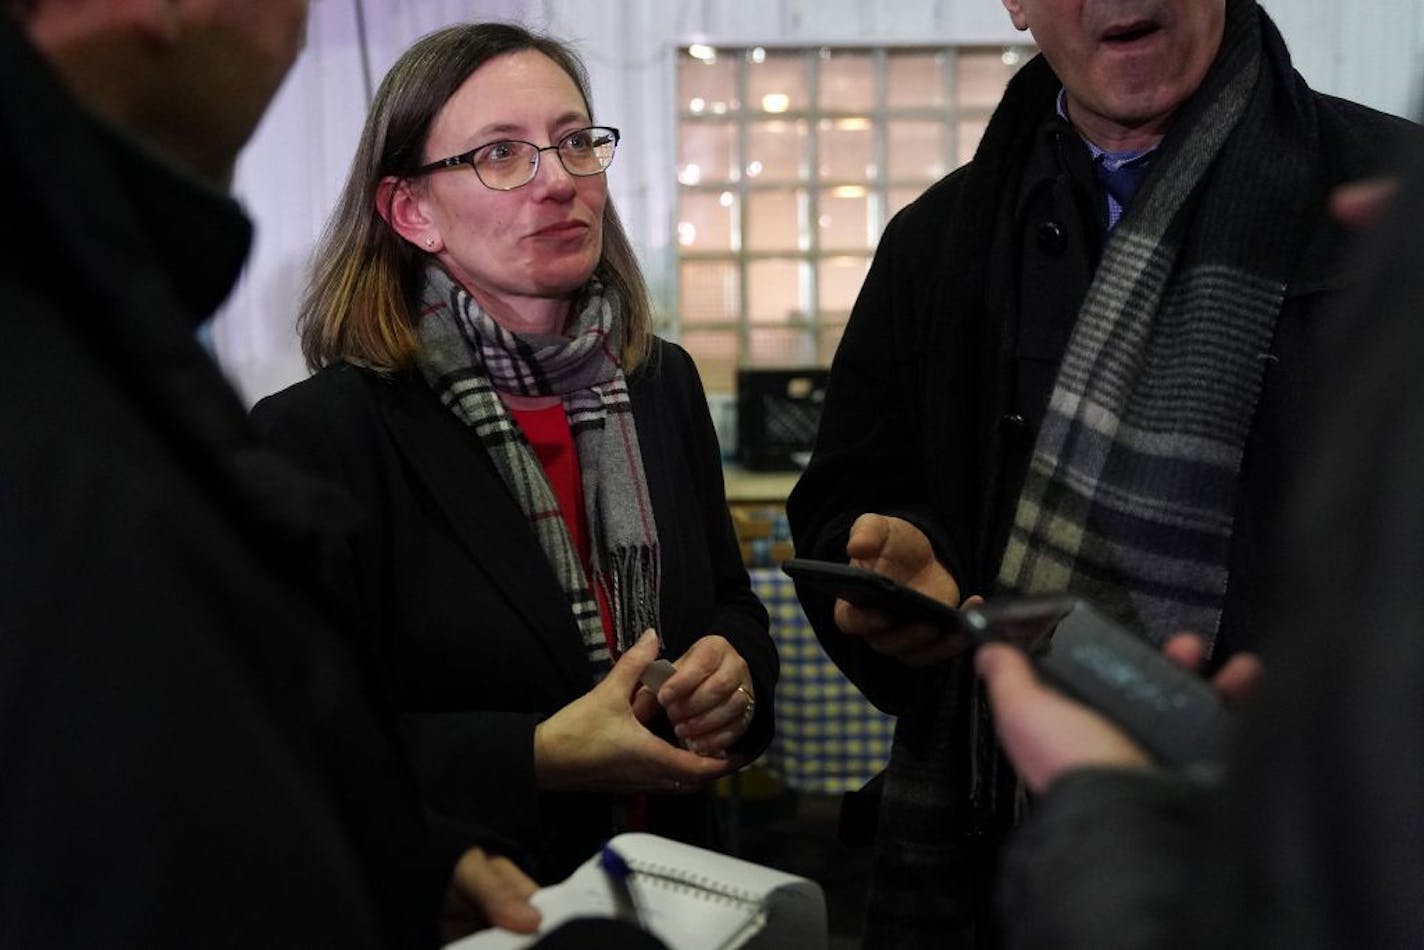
(522, 254)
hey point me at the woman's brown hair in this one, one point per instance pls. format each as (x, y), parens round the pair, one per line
(361, 303)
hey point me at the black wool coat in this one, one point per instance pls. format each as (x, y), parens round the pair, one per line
(933, 406)
(932, 410)
(190, 756)
(473, 632)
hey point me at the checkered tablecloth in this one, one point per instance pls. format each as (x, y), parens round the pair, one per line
(829, 738)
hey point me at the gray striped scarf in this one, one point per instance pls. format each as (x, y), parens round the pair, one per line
(468, 359)
(1130, 491)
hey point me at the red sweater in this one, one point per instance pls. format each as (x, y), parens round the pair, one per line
(548, 433)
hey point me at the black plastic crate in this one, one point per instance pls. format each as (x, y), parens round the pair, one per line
(778, 411)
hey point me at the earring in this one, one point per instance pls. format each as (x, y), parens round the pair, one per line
(430, 242)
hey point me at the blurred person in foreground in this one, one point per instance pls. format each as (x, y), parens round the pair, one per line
(540, 472)
(189, 754)
(1314, 838)
(1077, 365)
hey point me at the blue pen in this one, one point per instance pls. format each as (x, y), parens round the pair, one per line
(620, 876)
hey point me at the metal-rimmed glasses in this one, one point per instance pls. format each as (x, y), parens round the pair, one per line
(511, 163)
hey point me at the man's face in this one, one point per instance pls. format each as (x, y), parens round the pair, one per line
(1126, 64)
(226, 64)
(193, 77)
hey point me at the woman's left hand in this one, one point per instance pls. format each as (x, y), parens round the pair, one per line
(710, 699)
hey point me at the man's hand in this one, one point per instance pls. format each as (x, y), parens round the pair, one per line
(900, 551)
(487, 891)
(1235, 681)
(1045, 734)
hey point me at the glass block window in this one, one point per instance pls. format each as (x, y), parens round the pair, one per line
(791, 162)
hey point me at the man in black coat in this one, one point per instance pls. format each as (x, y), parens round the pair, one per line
(189, 756)
(1077, 364)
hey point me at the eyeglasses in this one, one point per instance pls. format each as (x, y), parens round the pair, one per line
(509, 164)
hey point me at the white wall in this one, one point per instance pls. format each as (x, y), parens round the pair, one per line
(292, 172)
(1371, 51)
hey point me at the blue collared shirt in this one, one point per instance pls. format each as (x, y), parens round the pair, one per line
(1109, 161)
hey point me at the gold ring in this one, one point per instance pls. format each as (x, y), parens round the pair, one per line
(751, 702)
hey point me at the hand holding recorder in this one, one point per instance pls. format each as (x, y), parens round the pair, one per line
(1171, 713)
(1046, 735)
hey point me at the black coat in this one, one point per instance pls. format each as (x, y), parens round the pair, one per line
(189, 755)
(931, 413)
(933, 406)
(472, 628)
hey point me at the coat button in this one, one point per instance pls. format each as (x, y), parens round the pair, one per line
(1052, 239)
(1014, 426)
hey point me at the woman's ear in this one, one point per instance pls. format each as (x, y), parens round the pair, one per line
(401, 208)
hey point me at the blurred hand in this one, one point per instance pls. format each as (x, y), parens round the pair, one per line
(599, 741)
(899, 550)
(487, 891)
(1362, 203)
(709, 700)
(1045, 734)
(1234, 682)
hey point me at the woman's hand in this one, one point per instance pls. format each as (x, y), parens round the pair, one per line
(598, 743)
(709, 700)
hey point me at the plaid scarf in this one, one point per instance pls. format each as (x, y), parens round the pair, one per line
(468, 359)
(1131, 488)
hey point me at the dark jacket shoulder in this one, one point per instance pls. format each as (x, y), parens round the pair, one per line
(332, 388)
(1358, 141)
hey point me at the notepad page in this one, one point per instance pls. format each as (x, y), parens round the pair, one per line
(691, 898)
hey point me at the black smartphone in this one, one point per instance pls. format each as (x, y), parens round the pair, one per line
(874, 591)
(1026, 622)
(1173, 713)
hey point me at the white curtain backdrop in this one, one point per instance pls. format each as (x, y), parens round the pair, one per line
(290, 176)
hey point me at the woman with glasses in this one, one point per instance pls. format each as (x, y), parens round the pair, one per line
(539, 473)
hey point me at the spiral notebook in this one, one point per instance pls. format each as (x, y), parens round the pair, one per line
(691, 898)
